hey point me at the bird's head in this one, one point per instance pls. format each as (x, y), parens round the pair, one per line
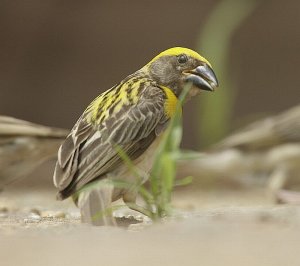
(177, 66)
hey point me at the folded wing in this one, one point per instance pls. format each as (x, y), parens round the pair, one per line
(89, 151)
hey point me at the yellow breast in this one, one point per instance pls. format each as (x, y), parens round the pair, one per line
(171, 101)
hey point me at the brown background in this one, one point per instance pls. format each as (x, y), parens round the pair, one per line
(56, 56)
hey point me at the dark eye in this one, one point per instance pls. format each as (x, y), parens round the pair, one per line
(182, 59)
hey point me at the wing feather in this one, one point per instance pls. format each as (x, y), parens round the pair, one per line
(88, 152)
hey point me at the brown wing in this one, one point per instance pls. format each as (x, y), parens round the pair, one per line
(88, 152)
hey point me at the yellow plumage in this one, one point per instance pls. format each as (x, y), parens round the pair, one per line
(171, 102)
(175, 51)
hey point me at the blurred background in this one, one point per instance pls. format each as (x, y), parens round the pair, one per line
(56, 56)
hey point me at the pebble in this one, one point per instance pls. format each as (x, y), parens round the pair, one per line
(32, 218)
(53, 214)
(3, 209)
(3, 214)
(36, 211)
(73, 215)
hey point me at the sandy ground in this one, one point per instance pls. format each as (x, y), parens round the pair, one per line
(207, 229)
(215, 227)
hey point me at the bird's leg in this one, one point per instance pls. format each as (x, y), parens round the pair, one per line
(95, 205)
(130, 200)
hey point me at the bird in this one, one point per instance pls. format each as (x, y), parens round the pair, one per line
(133, 115)
(24, 146)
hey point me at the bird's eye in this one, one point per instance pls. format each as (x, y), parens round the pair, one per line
(182, 59)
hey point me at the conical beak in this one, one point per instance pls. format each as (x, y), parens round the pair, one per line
(203, 77)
